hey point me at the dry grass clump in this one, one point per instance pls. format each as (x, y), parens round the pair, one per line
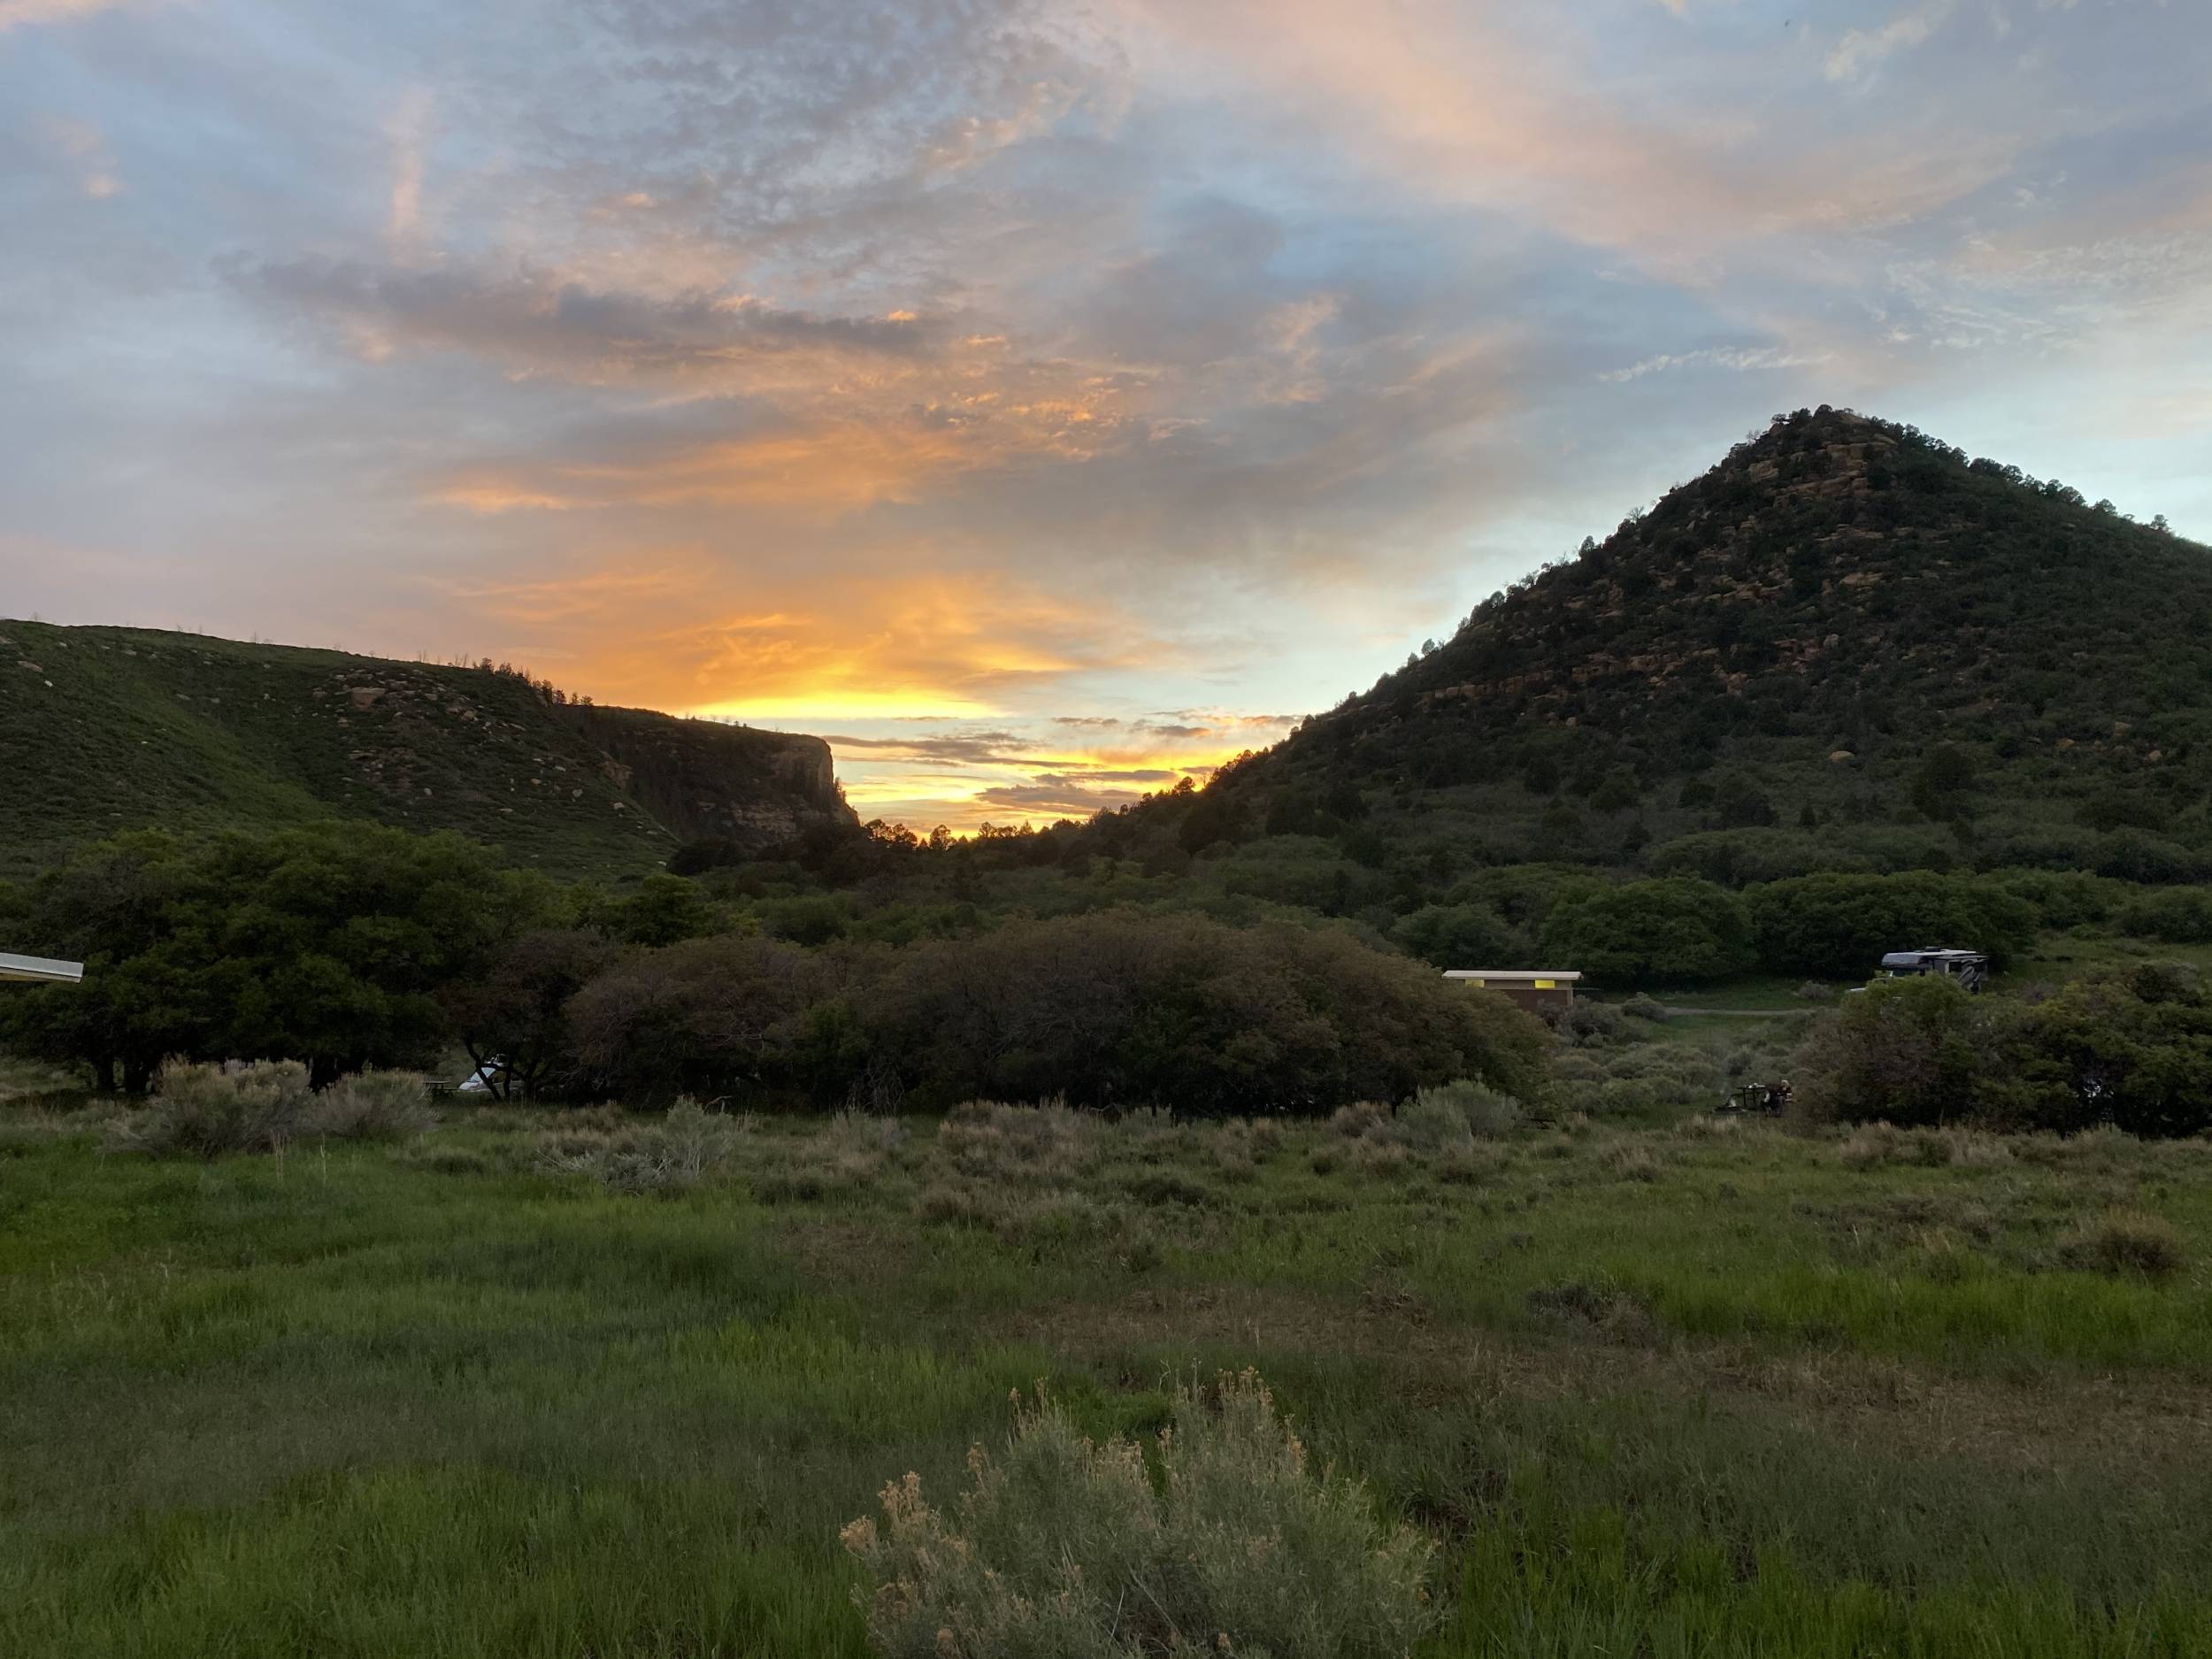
(1239, 1147)
(848, 1155)
(203, 1111)
(1968, 1148)
(1355, 1121)
(684, 1148)
(23, 1125)
(372, 1106)
(38, 1083)
(1631, 1161)
(1046, 1145)
(1617, 1315)
(1062, 1546)
(1046, 1221)
(2103, 1147)
(1441, 1123)
(1872, 1146)
(2122, 1241)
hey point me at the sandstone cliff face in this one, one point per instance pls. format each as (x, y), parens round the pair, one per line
(705, 780)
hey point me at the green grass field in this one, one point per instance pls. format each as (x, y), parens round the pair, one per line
(1670, 1391)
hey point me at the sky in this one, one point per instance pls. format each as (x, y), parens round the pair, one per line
(1043, 402)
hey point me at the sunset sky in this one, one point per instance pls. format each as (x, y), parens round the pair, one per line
(1038, 400)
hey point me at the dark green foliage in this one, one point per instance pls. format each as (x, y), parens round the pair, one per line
(707, 1018)
(1940, 781)
(2179, 916)
(2133, 1051)
(2060, 899)
(327, 944)
(806, 918)
(1459, 936)
(1906, 1051)
(1664, 931)
(1117, 1010)
(515, 1008)
(1839, 926)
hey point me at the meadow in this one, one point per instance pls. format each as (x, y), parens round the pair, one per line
(587, 1382)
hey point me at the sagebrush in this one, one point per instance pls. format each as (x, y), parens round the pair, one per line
(1066, 1545)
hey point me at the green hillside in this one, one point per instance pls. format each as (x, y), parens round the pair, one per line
(107, 729)
(1846, 646)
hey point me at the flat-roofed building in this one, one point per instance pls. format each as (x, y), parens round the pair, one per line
(39, 970)
(1539, 990)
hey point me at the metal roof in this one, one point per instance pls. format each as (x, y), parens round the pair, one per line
(1569, 975)
(39, 970)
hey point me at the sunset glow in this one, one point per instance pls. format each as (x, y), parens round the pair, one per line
(1042, 402)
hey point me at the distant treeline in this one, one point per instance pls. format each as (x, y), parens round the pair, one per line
(348, 946)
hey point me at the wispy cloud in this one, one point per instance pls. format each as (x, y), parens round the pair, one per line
(1862, 50)
(409, 131)
(1735, 359)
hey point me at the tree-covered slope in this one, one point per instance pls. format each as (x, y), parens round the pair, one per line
(106, 729)
(1846, 642)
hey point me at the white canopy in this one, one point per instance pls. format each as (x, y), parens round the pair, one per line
(1564, 976)
(39, 970)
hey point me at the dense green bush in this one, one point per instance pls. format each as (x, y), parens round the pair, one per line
(1066, 1546)
(1123, 1009)
(2179, 916)
(2133, 1051)
(709, 1018)
(1840, 925)
(1459, 936)
(1907, 1051)
(2061, 898)
(1670, 931)
(327, 944)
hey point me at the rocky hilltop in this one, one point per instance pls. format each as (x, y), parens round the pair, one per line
(1848, 641)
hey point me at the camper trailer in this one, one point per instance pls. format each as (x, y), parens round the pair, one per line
(1969, 968)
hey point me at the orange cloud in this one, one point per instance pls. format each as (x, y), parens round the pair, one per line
(821, 470)
(950, 644)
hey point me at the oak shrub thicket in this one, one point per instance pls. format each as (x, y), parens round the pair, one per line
(350, 945)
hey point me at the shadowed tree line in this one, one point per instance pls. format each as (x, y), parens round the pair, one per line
(349, 946)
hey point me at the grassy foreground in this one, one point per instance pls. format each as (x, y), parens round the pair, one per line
(1700, 1390)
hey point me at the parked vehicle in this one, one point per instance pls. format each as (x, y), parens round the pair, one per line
(1970, 968)
(1763, 1099)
